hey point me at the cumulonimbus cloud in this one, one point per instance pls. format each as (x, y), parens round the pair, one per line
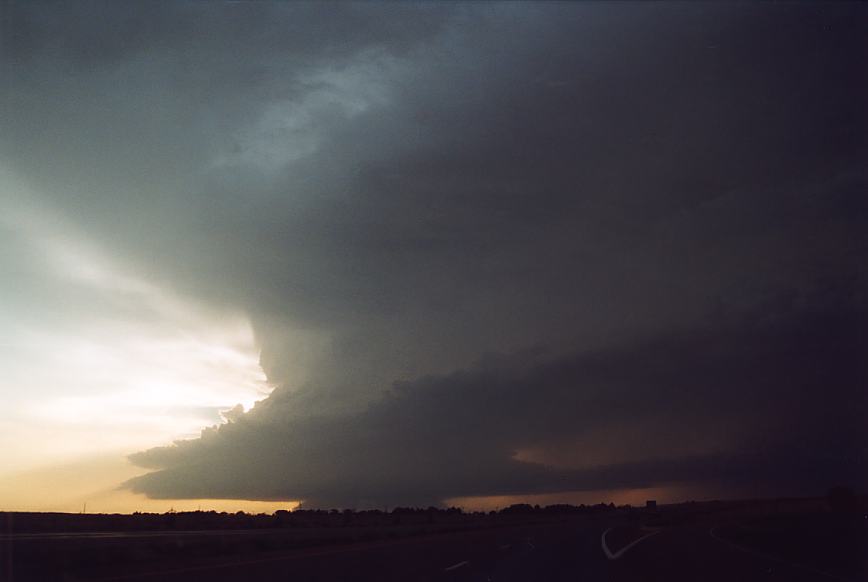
(390, 192)
(774, 405)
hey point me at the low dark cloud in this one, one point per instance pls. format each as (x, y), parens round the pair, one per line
(668, 197)
(770, 405)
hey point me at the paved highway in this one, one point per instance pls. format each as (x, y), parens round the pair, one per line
(577, 550)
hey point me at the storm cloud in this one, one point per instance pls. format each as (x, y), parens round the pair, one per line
(484, 249)
(669, 410)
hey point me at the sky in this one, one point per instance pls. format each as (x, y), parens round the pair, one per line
(365, 255)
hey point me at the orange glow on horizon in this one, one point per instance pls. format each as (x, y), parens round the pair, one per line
(94, 483)
(636, 497)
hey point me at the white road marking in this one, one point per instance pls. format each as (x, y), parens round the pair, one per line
(456, 566)
(774, 558)
(622, 551)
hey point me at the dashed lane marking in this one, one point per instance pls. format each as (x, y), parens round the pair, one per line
(456, 566)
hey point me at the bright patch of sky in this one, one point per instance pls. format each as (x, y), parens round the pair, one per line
(97, 360)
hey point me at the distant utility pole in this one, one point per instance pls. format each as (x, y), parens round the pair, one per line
(84, 509)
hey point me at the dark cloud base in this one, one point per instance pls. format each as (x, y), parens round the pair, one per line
(782, 400)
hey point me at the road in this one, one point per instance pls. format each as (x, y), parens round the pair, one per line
(575, 550)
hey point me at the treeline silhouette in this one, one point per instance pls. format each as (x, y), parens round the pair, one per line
(25, 522)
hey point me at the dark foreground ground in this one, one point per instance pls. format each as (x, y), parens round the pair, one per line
(796, 541)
